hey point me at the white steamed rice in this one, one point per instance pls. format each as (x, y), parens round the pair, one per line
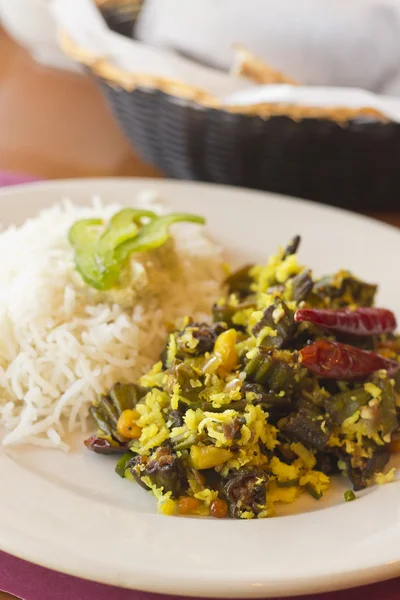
(63, 343)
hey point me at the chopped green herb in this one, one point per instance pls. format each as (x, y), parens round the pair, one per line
(349, 496)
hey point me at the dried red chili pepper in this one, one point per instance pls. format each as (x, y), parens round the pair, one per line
(333, 360)
(361, 321)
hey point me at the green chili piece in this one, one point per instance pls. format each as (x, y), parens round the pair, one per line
(153, 235)
(123, 226)
(343, 405)
(349, 496)
(101, 255)
(84, 233)
(83, 237)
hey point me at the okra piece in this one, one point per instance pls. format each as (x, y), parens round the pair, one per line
(308, 428)
(281, 320)
(343, 405)
(292, 247)
(224, 313)
(267, 399)
(363, 472)
(239, 282)
(302, 285)
(126, 396)
(286, 484)
(342, 286)
(122, 464)
(313, 492)
(275, 371)
(389, 422)
(184, 375)
(101, 420)
(258, 366)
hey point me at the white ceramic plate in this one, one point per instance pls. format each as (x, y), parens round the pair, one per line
(70, 512)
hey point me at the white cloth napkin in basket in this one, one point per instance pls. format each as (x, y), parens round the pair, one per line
(178, 40)
(82, 21)
(317, 42)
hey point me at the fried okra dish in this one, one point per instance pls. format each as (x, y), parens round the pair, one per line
(293, 380)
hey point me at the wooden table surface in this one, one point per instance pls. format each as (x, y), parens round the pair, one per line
(55, 124)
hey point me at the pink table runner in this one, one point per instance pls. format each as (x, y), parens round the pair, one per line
(7, 178)
(31, 582)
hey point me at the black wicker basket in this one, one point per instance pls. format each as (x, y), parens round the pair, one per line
(352, 164)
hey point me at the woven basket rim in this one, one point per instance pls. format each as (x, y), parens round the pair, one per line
(129, 80)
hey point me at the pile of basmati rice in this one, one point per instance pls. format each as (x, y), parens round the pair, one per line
(62, 342)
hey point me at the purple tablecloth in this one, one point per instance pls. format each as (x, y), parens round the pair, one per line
(7, 178)
(31, 582)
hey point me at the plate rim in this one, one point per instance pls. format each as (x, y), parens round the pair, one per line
(76, 182)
